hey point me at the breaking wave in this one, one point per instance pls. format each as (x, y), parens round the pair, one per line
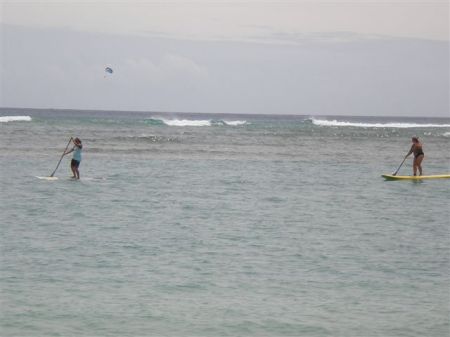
(6, 119)
(322, 122)
(235, 123)
(193, 122)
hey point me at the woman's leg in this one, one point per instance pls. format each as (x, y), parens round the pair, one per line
(418, 162)
(73, 168)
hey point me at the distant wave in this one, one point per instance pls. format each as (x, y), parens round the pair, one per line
(147, 138)
(322, 122)
(446, 134)
(193, 122)
(235, 123)
(186, 122)
(6, 119)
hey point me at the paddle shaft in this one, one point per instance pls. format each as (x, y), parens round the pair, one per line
(395, 173)
(61, 157)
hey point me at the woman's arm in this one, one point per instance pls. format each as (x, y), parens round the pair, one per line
(411, 150)
(69, 151)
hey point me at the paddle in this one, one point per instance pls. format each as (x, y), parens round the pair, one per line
(61, 157)
(395, 173)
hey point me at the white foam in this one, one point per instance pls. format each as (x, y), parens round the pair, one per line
(191, 122)
(185, 122)
(235, 123)
(446, 134)
(322, 122)
(6, 119)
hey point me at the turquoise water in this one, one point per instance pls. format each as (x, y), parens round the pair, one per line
(222, 225)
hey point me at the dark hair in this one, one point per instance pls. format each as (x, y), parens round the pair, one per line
(78, 142)
(415, 139)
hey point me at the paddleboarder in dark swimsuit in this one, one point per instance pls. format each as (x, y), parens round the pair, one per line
(417, 149)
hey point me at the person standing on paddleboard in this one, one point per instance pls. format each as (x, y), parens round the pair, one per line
(76, 158)
(417, 149)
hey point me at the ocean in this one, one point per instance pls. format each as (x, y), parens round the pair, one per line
(222, 225)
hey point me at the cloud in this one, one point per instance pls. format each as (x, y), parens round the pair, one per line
(236, 20)
(169, 67)
(359, 76)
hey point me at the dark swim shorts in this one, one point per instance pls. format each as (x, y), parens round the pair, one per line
(75, 163)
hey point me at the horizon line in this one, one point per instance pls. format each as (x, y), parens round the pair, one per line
(217, 113)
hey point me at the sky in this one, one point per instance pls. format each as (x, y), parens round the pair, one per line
(334, 57)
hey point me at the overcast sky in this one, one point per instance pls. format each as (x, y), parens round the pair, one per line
(288, 57)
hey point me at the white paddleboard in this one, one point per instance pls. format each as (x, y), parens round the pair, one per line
(47, 178)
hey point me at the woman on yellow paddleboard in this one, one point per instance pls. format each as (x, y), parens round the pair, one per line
(417, 149)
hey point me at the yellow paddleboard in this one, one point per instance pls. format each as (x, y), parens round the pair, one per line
(392, 177)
